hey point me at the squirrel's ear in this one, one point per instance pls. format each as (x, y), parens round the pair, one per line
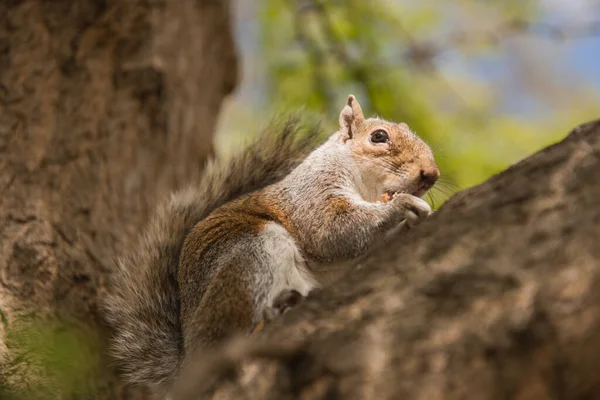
(351, 113)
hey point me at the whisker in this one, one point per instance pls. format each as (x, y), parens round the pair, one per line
(440, 189)
(440, 194)
(444, 196)
(446, 181)
(445, 190)
(431, 199)
(447, 186)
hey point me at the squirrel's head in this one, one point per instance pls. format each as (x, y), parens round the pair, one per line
(391, 157)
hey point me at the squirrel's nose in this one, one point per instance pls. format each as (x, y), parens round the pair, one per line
(429, 176)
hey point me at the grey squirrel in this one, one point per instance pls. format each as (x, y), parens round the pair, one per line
(275, 220)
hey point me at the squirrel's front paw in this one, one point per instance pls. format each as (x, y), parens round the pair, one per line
(414, 208)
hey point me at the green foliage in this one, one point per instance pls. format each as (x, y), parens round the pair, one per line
(315, 55)
(60, 359)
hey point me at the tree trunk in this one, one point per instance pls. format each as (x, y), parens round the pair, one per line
(105, 105)
(496, 296)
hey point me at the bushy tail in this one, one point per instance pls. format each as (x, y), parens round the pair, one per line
(143, 304)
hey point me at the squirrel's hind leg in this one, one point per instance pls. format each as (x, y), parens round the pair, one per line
(286, 300)
(289, 278)
(227, 308)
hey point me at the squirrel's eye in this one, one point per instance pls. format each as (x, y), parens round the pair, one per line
(379, 136)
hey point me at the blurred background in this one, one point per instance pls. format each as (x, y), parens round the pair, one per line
(484, 83)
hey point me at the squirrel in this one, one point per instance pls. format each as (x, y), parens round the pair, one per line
(258, 233)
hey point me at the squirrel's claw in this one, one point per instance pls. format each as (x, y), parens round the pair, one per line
(416, 210)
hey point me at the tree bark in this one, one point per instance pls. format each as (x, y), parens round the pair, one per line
(105, 105)
(496, 296)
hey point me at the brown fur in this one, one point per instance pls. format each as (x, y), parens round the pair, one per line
(143, 306)
(202, 272)
(202, 326)
(340, 206)
(222, 229)
(403, 149)
(405, 152)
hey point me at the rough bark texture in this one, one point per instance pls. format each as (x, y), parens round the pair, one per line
(496, 296)
(104, 106)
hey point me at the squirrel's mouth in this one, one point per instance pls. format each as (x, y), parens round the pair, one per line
(388, 195)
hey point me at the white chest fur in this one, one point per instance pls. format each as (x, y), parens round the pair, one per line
(285, 267)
